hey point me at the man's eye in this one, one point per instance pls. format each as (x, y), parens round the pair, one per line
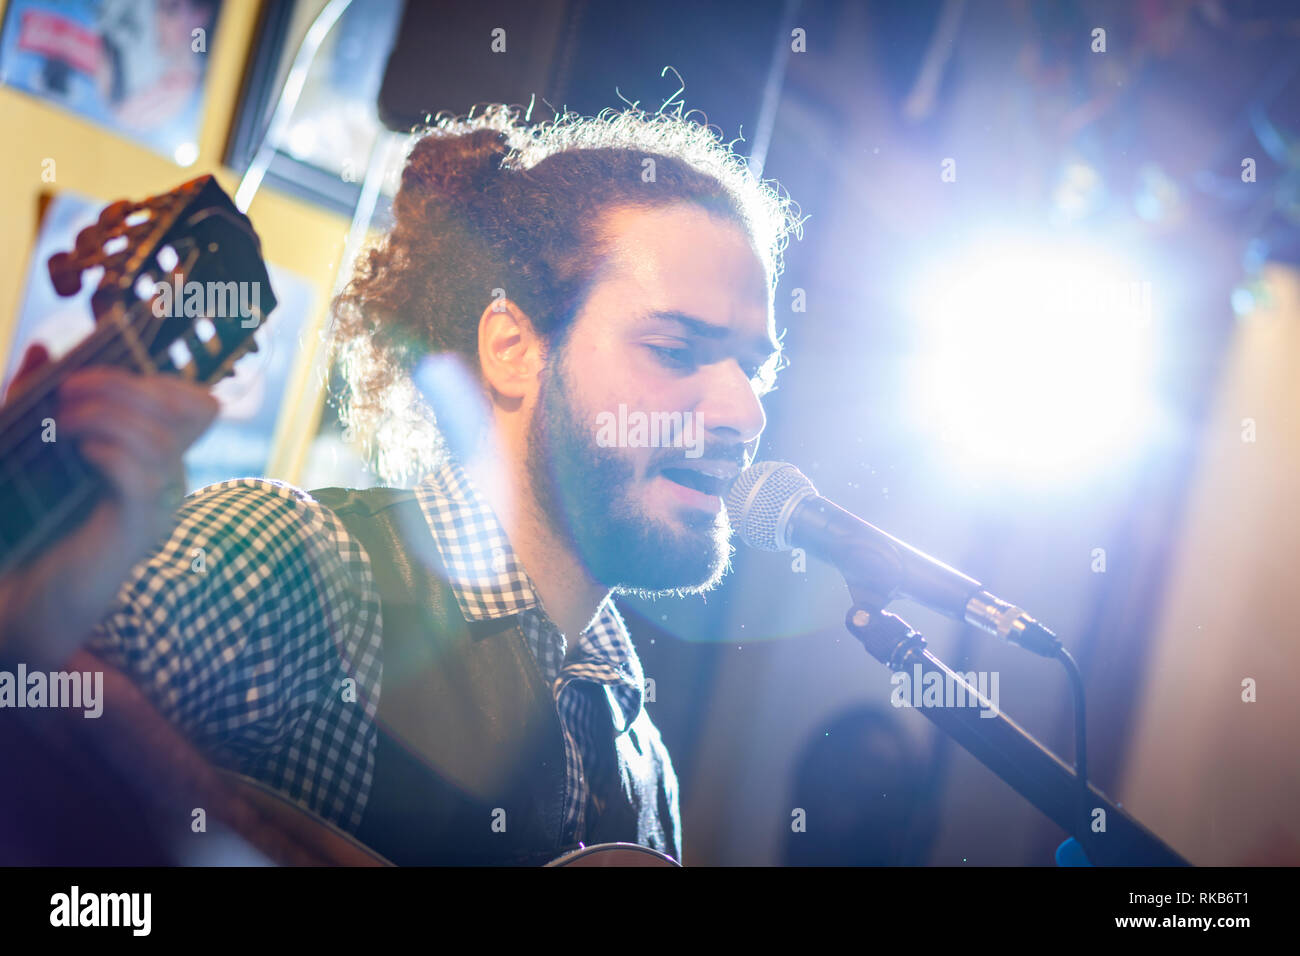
(673, 358)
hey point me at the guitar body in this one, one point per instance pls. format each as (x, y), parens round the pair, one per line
(326, 843)
(615, 854)
(333, 847)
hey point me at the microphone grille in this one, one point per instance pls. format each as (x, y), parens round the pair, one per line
(761, 500)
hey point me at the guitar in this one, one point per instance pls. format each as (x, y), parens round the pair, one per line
(190, 238)
(335, 847)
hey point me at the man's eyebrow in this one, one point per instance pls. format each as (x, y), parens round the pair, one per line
(764, 346)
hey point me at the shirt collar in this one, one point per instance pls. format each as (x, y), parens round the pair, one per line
(486, 577)
(489, 582)
(607, 642)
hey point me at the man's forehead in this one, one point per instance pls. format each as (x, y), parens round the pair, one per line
(683, 260)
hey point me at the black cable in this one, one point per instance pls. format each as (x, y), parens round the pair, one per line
(1080, 735)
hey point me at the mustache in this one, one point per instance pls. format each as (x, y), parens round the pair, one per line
(740, 455)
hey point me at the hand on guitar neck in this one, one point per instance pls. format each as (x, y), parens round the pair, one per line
(134, 429)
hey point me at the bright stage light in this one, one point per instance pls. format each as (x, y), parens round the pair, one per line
(1035, 358)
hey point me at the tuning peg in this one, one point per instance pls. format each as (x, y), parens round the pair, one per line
(114, 212)
(88, 240)
(64, 274)
(102, 301)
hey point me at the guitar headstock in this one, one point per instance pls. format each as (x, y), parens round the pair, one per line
(184, 283)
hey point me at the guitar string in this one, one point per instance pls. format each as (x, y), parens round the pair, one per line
(103, 354)
(43, 386)
(41, 390)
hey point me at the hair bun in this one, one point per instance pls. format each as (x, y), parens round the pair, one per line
(455, 166)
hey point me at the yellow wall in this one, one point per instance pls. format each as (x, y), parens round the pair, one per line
(90, 160)
(1219, 774)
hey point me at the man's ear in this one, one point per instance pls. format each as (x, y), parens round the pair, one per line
(510, 352)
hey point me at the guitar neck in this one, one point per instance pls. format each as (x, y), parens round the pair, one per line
(190, 236)
(45, 484)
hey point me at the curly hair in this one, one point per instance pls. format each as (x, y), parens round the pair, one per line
(488, 205)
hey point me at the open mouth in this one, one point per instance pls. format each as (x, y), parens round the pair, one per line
(696, 480)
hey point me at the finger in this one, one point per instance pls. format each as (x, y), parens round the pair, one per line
(113, 412)
(142, 490)
(163, 438)
(159, 436)
(195, 407)
(170, 397)
(137, 458)
(173, 402)
(35, 356)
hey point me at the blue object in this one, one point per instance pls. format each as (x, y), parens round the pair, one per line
(1070, 853)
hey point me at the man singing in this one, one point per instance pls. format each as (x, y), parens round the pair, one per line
(441, 671)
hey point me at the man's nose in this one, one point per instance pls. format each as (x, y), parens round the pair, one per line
(729, 409)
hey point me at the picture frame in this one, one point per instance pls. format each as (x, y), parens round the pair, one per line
(136, 67)
(335, 122)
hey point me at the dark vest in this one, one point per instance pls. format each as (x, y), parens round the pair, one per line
(469, 764)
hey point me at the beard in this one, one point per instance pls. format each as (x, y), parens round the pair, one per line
(586, 495)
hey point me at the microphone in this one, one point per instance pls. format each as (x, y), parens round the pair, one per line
(774, 507)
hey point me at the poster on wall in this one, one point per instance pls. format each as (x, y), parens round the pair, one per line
(241, 441)
(137, 67)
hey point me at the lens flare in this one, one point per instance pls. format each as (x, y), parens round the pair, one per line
(1035, 358)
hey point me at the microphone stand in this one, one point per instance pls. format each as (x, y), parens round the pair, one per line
(1004, 747)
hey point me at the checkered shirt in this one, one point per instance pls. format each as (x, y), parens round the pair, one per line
(597, 684)
(243, 625)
